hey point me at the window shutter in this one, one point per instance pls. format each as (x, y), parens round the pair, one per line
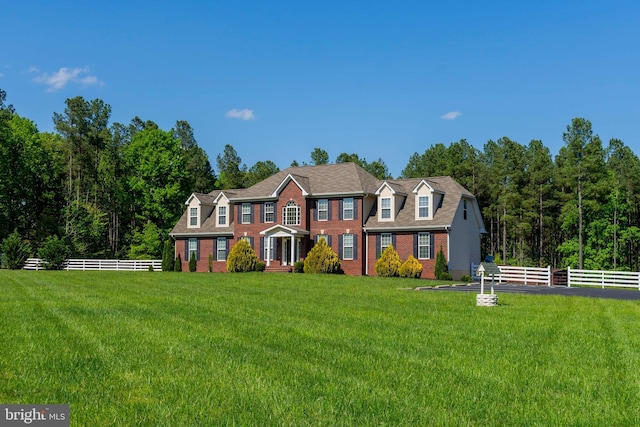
(329, 240)
(261, 212)
(377, 246)
(355, 208)
(198, 250)
(215, 249)
(262, 249)
(275, 210)
(340, 249)
(329, 209)
(186, 250)
(340, 209)
(431, 245)
(315, 211)
(251, 243)
(393, 241)
(355, 246)
(239, 220)
(415, 245)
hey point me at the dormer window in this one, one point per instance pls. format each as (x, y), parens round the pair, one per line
(385, 208)
(222, 215)
(193, 217)
(423, 206)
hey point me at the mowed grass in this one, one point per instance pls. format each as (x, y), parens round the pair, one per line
(180, 349)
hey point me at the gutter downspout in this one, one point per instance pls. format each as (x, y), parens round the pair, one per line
(448, 230)
(366, 252)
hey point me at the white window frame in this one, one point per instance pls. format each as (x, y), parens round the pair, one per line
(291, 214)
(383, 237)
(246, 212)
(347, 244)
(384, 208)
(347, 208)
(193, 247)
(222, 215)
(424, 244)
(423, 208)
(269, 212)
(221, 248)
(269, 242)
(193, 217)
(323, 209)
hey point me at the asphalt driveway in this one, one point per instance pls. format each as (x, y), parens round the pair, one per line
(591, 292)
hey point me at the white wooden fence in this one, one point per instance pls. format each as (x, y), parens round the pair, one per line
(100, 264)
(619, 279)
(526, 275)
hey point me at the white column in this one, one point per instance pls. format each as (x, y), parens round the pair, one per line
(267, 240)
(293, 248)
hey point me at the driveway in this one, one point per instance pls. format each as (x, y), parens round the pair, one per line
(591, 292)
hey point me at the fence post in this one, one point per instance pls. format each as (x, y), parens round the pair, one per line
(549, 277)
(569, 276)
(602, 278)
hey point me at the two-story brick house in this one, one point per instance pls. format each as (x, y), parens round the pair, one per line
(283, 216)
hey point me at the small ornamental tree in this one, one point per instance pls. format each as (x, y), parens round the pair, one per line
(321, 259)
(193, 262)
(411, 268)
(441, 264)
(389, 263)
(53, 252)
(15, 251)
(167, 256)
(242, 258)
(177, 265)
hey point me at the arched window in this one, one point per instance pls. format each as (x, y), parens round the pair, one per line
(291, 213)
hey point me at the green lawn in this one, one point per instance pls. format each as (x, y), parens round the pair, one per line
(181, 349)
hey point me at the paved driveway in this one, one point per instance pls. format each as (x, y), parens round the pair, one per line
(592, 292)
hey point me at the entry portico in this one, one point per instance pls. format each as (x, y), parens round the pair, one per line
(286, 237)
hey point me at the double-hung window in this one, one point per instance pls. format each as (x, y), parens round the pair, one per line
(423, 206)
(385, 206)
(221, 244)
(464, 207)
(246, 213)
(347, 208)
(193, 249)
(323, 210)
(385, 240)
(423, 245)
(193, 217)
(269, 212)
(222, 215)
(269, 248)
(347, 246)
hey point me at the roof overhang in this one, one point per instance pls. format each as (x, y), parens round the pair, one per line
(408, 228)
(284, 230)
(284, 183)
(203, 234)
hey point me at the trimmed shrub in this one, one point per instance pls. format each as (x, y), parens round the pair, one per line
(167, 256)
(441, 265)
(193, 262)
(53, 252)
(298, 267)
(15, 250)
(321, 259)
(260, 266)
(150, 268)
(466, 279)
(210, 263)
(242, 257)
(177, 265)
(388, 265)
(445, 276)
(411, 268)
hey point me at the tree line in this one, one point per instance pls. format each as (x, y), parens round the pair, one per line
(116, 190)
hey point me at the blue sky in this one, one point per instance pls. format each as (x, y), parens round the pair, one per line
(378, 78)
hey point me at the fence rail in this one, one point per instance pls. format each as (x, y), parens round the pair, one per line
(100, 264)
(620, 279)
(525, 275)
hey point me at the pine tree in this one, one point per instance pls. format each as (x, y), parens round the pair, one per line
(167, 256)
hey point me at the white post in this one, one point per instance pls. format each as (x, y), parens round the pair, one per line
(602, 274)
(568, 277)
(293, 248)
(482, 283)
(267, 240)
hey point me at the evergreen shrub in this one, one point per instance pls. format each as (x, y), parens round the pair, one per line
(15, 250)
(177, 265)
(54, 252)
(388, 265)
(193, 262)
(260, 266)
(242, 257)
(411, 268)
(321, 259)
(441, 265)
(167, 256)
(298, 267)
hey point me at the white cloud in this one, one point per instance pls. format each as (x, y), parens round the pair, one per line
(33, 69)
(451, 115)
(64, 76)
(244, 114)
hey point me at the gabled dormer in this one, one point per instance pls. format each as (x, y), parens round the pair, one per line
(390, 200)
(199, 207)
(427, 200)
(223, 210)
